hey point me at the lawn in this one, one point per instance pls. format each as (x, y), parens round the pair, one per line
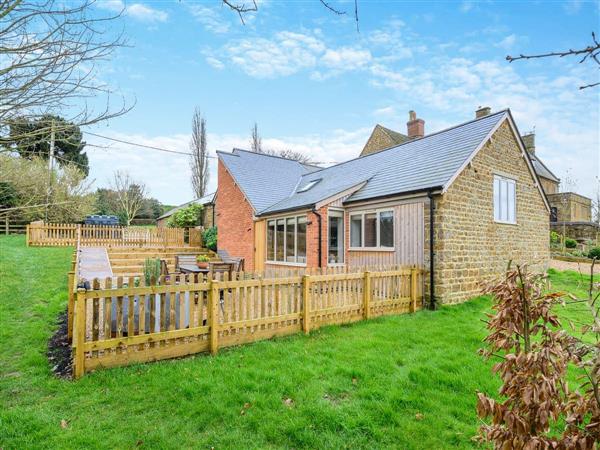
(405, 381)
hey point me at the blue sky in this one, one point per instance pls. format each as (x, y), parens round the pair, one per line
(313, 84)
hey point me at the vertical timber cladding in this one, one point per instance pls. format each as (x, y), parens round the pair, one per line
(409, 236)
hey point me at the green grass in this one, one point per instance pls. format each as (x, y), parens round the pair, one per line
(400, 381)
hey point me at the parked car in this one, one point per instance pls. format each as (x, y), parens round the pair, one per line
(97, 219)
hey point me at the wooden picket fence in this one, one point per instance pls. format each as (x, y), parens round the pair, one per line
(42, 234)
(119, 321)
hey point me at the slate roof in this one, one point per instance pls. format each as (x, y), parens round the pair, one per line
(207, 199)
(541, 169)
(273, 184)
(264, 179)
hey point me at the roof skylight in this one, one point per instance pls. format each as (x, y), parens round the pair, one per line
(308, 185)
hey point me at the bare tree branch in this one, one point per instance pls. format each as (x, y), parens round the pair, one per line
(50, 52)
(331, 8)
(591, 52)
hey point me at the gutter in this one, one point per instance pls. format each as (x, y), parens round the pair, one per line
(320, 219)
(432, 302)
(395, 195)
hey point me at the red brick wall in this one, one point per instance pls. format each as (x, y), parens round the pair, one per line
(234, 217)
(312, 239)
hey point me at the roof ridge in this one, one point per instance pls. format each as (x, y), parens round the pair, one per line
(502, 111)
(268, 155)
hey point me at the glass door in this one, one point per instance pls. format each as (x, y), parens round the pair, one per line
(335, 237)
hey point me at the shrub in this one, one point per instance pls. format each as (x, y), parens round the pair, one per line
(594, 253)
(186, 217)
(151, 270)
(210, 238)
(554, 237)
(570, 243)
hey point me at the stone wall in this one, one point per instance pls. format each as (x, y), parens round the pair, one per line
(571, 207)
(580, 231)
(470, 247)
(378, 141)
(550, 186)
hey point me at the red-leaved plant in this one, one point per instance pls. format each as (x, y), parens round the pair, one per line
(537, 409)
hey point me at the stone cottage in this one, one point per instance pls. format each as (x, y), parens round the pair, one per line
(460, 203)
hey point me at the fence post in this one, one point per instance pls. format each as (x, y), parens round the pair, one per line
(306, 304)
(367, 295)
(79, 363)
(413, 289)
(214, 317)
(27, 234)
(70, 304)
(78, 243)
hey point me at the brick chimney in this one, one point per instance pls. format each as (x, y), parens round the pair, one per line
(483, 111)
(415, 127)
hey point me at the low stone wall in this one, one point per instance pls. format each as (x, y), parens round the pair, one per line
(580, 231)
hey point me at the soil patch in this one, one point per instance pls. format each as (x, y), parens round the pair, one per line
(59, 350)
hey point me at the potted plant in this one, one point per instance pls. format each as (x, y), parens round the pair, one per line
(202, 261)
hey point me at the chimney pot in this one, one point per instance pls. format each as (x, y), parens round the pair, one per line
(483, 111)
(415, 128)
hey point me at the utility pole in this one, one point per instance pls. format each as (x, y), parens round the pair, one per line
(50, 166)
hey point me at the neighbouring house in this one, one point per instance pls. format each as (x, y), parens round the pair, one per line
(207, 219)
(571, 216)
(460, 202)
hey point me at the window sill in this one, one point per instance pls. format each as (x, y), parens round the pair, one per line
(371, 249)
(283, 263)
(502, 222)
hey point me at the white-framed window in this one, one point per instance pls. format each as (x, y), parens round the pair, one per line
(505, 200)
(372, 229)
(286, 240)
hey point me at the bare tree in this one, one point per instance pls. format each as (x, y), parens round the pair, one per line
(256, 140)
(590, 53)
(257, 147)
(130, 195)
(49, 52)
(199, 158)
(295, 155)
(242, 9)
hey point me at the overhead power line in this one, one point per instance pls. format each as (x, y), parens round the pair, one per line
(152, 147)
(160, 149)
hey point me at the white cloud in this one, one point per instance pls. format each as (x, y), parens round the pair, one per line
(285, 54)
(214, 62)
(385, 111)
(111, 5)
(345, 57)
(146, 13)
(508, 42)
(210, 18)
(136, 11)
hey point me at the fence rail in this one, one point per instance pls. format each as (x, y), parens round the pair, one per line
(123, 320)
(69, 234)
